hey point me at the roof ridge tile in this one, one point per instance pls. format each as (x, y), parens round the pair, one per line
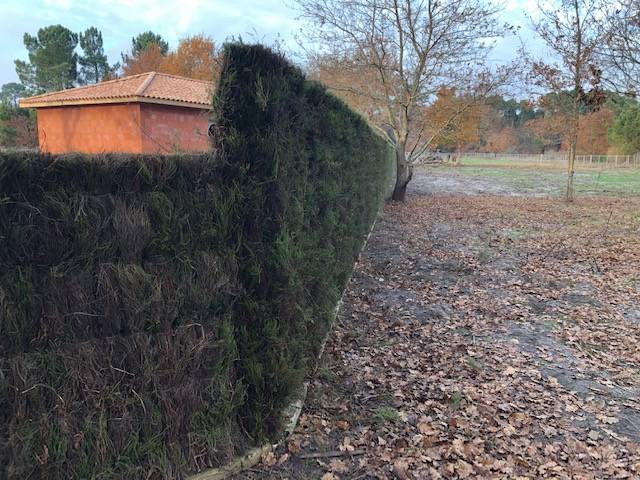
(143, 86)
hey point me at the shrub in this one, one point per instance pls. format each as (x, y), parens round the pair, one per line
(158, 312)
(312, 176)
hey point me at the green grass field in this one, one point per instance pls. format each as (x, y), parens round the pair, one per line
(532, 162)
(490, 162)
(544, 181)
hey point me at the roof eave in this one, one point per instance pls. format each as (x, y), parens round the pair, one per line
(25, 103)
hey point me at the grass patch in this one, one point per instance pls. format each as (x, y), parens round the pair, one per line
(326, 374)
(384, 415)
(473, 364)
(456, 399)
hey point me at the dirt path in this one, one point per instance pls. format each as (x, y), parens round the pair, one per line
(482, 336)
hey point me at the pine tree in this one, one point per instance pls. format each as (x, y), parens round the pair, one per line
(52, 61)
(147, 48)
(94, 66)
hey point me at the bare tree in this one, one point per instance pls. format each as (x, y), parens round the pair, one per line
(620, 49)
(572, 31)
(410, 48)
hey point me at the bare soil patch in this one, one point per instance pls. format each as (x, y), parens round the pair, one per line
(482, 336)
(438, 181)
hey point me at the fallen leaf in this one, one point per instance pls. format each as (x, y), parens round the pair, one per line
(571, 407)
(606, 419)
(342, 425)
(269, 459)
(464, 469)
(338, 466)
(400, 468)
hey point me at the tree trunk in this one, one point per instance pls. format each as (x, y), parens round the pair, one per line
(575, 117)
(570, 170)
(573, 145)
(404, 172)
(457, 157)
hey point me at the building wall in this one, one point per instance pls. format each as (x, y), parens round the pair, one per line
(171, 129)
(126, 128)
(90, 128)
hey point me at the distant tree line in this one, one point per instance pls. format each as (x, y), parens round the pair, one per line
(59, 58)
(506, 125)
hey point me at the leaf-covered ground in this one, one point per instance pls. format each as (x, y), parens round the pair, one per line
(481, 336)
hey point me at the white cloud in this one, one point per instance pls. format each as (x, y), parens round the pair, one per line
(120, 20)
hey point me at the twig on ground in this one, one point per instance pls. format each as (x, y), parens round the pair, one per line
(331, 454)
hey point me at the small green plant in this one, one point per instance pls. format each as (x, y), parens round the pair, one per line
(473, 364)
(386, 415)
(326, 374)
(456, 399)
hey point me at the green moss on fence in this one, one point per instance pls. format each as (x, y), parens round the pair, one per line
(156, 313)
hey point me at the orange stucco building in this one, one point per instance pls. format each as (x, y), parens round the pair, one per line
(147, 113)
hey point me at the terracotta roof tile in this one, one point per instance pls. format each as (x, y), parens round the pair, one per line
(147, 87)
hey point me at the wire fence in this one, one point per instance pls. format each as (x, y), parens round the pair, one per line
(548, 159)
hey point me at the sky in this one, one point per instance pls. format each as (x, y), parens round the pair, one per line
(120, 20)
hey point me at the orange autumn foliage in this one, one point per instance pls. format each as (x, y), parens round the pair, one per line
(551, 130)
(454, 121)
(149, 60)
(356, 84)
(505, 140)
(196, 57)
(593, 132)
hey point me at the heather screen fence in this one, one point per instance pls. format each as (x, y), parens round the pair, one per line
(158, 313)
